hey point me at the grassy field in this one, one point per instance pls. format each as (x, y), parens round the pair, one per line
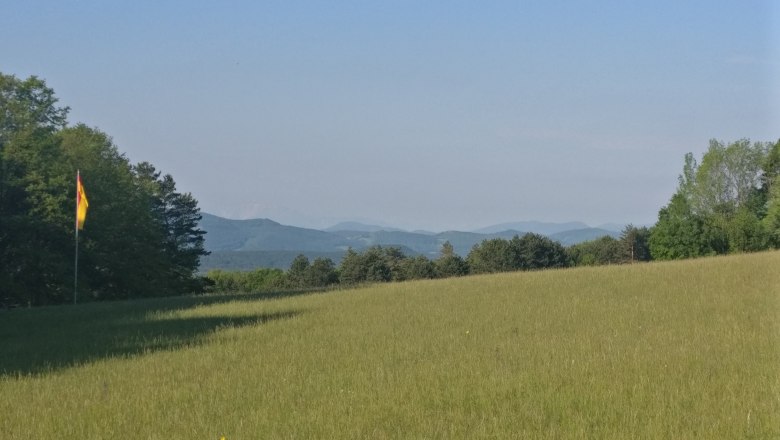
(666, 350)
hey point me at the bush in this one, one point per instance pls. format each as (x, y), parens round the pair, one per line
(259, 280)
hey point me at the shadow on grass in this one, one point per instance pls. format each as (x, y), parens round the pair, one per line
(46, 339)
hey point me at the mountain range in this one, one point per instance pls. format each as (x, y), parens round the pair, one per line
(248, 244)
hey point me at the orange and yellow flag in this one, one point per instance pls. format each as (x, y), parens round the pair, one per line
(81, 203)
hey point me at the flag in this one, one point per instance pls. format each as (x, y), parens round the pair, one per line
(81, 203)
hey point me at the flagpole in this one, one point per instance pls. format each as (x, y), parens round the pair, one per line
(76, 268)
(76, 264)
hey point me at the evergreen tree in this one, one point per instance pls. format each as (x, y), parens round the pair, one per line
(450, 264)
(176, 216)
(352, 270)
(378, 268)
(634, 244)
(297, 275)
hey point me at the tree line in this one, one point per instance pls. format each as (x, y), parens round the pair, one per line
(379, 264)
(728, 203)
(141, 236)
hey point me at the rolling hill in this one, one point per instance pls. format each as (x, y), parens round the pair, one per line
(246, 244)
(680, 350)
(266, 235)
(544, 228)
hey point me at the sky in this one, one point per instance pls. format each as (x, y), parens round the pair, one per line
(433, 115)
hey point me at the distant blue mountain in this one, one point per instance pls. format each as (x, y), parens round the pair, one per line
(266, 243)
(615, 227)
(544, 228)
(568, 238)
(262, 234)
(426, 244)
(357, 226)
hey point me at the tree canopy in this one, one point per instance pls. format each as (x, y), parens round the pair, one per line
(725, 204)
(141, 236)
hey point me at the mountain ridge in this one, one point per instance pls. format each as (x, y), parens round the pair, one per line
(252, 243)
(268, 235)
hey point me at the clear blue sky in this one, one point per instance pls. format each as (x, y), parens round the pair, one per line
(435, 115)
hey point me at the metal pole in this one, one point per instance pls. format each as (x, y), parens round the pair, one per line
(76, 260)
(76, 268)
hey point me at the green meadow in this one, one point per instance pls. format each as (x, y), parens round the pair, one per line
(687, 349)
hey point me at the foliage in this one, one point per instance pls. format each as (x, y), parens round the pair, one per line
(745, 232)
(529, 252)
(351, 270)
(296, 276)
(490, 256)
(258, 280)
(249, 260)
(604, 250)
(141, 236)
(771, 222)
(375, 264)
(771, 189)
(535, 251)
(385, 264)
(418, 268)
(679, 232)
(635, 244)
(727, 176)
(721, 205)
(177, 216)
(450, 264)
(321, 273)
(34, 233)
(632, 246)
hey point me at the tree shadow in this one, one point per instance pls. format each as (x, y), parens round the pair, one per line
(46, 339)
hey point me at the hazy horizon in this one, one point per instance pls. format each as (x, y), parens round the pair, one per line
(327, 224)
(432, 116)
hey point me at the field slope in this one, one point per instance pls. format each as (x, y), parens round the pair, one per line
(664, 350)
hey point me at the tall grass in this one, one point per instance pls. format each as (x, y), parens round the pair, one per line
(663, 350)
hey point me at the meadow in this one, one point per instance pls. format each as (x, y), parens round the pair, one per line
(687, 349)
